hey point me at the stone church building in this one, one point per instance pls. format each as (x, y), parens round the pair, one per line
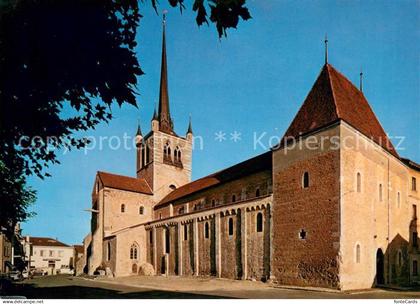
(333, 205)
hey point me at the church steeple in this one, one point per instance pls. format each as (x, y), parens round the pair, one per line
(164, 115)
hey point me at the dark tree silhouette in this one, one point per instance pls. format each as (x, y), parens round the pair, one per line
(75, 54)
(15, 198)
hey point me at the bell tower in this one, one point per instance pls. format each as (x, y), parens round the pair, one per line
(163, 157)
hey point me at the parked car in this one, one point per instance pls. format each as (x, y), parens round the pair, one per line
(65, 270)
(26, 274)
(15, 275)
(38, 272)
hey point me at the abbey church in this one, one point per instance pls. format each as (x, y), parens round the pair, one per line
(333, 205)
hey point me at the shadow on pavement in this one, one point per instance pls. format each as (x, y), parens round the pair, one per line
(32, 291)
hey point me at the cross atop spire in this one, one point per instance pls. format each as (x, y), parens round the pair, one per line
(361, 80)
(164, 115)
(326, 49)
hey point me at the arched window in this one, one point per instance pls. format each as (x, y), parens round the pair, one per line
(206, 230)
(398, 200)
(133, 252)
(233, 198)
(257, 193)
(230, 226)
(380, 192)
(172, 187)
(167, 241)
(108, 251)
(185, 232)
(167, 151)
(305, 180)
(358, 253)
(213, 203)
(141, 210)
(181, 210)
(259, 222)
(359, 182)
(143, 157)
(122, 208)
(147, 153)
(177, 155)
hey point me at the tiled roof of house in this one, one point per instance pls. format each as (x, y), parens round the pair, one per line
(253, 165)
(45, 241)
(333, 97)
(124, 182)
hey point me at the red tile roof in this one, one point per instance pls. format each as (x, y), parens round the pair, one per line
(124, 182)
(253, 165)
(45, 241)
(333, 97)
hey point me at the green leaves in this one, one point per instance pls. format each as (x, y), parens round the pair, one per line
(15, 198)
(57, 52)
(225, 14)
(201, 12)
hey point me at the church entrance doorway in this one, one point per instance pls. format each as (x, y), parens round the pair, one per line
(380, 267)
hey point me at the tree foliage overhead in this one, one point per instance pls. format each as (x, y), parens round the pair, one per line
(56, 52)
(77, 54)
(15, 198)
(223, 13)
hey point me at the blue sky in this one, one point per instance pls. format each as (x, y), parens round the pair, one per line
(253, 81)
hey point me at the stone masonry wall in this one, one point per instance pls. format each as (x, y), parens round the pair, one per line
(312, 261)
(220, 254)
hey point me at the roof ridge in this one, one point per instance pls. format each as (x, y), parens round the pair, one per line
(124, 182)
(388, 144)
(116, 174)
(332, 88)
(303, 103)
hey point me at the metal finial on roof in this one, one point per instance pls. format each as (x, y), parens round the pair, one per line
(164, 12)
(326, 49)
(361, 80)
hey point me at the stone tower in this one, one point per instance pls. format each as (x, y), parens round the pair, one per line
(163, 157)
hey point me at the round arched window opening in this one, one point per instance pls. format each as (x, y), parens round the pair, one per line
(305, 180)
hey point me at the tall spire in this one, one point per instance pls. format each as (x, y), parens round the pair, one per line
(326, 49)
(155, 116)
(164, 115)
(189, 127)
(138, 133)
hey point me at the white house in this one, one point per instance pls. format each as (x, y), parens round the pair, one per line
(48, 254)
